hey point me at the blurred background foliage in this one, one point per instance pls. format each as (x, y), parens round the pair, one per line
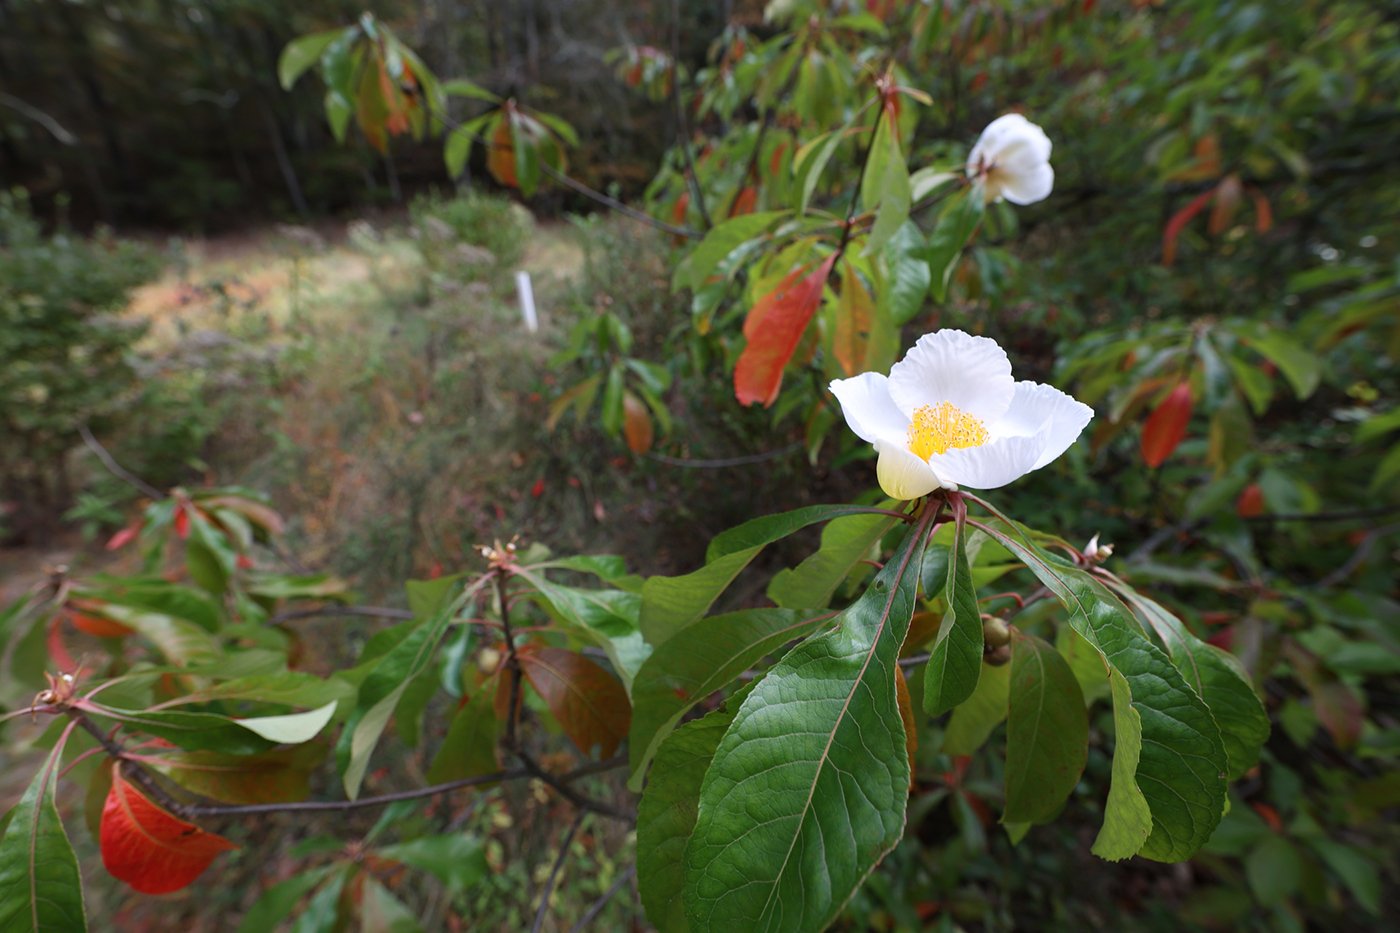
(1226, 218)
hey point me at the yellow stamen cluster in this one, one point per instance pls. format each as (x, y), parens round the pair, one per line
(936, 429)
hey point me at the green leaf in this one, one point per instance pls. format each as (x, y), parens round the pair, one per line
(667, 811)
(894, 199)
(1182, 764)
(323, 911)
(669, 604)
(458, 861)
(300, 54)
(697, 267)
(381, 691)
(908, 278)
(845, 541)
(293, 728)
(699, 660)
(192, 731)
(810, 161)
(469, 749)
(1274, 870)
(290, 687)
(181, 641)
(606, 617)
(381, 912)
(952, 671)
(40, 887)
(974, 719)
(1354, 869)
(278, 901)
(1300, 366)
(1127, 818)
(808, 786)
(1217, 677)
(461, 87)
(1088, 665)
(956, 223)
(1047, 732)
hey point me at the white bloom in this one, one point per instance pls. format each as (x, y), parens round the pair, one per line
(1012, 157)
(949, 414)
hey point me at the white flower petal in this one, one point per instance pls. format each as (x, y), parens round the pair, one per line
(1026, 187)
(1005, 132)
(971, 373)
(994, 464)
(1036, 408)
(903, 475)
(869, 410)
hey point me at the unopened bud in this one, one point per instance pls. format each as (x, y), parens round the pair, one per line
(487, 660)
(995, 631)
(1097, 553)
(998, 656)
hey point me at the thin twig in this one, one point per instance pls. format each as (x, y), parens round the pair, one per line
(626, 210)
(602, 902)
(554, 872)
(724, 462)
(1340, 515)
(115, 468)
(682, 124)
(372, 612)
(1358, 556)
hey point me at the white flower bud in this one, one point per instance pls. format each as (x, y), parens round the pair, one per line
(1012, 160)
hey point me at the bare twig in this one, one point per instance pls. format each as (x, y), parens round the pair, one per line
(608, 201)
(1340, 515)
(554, 872)
(602, 902)
(722, 463)
(1358, 556)
(682, 124)
(372, 612)
(115, 468)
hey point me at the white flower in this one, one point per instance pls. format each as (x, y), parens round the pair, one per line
(949, 414)
(1012, 158)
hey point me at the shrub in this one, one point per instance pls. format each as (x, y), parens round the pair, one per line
(65, 357)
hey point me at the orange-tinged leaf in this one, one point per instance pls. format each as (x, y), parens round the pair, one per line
(906, 713)
(1263, 213)
(263, 516)
(276, 776)
(1166, 426)
(500, 154)
(589, 703)
(773, 328)
(636, 424)
(97, 625)
(58, 651)
(855, 318)
(182, 520)
(148, 848)
(745, 201)
(1251, 501)
(1178, 223)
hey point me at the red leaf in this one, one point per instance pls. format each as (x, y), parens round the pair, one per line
(636, 424)
(1178, 222)
(590, 703)
(537, 490)
(148, 848)
(1166, 426)
(1263, 213)
(124, 537)
(773, 328)
(1251, 501)
(182, 520)
(1227, 200)
(58, 651)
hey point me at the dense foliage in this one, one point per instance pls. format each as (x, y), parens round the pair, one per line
(1214, 273)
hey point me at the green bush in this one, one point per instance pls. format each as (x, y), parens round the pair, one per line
(452, 232)
(65, 356)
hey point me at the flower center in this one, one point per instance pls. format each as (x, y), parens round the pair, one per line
(938, 428)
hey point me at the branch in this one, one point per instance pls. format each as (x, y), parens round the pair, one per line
(682, 124)
(609, 201)
(554, 872)
(602, 902)
(204, 807)
(372, 612)
(116, 468)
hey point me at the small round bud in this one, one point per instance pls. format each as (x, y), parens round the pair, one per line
(998, 656)
(487, 660)
(995, 631)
